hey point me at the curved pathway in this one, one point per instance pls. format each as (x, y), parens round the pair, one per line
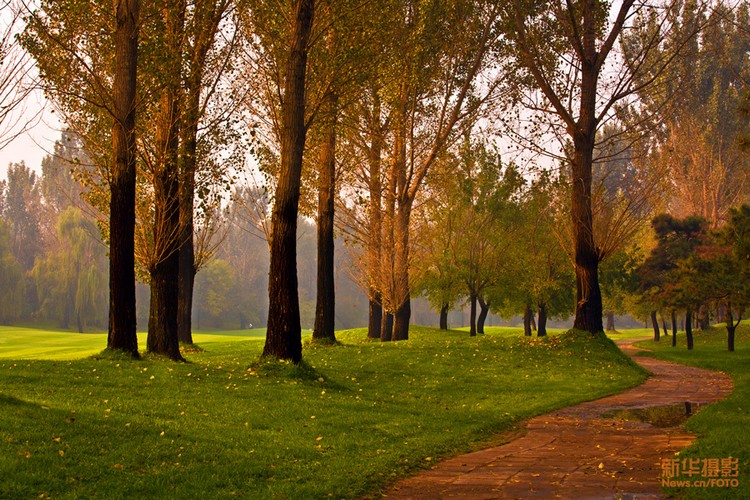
(582, 451)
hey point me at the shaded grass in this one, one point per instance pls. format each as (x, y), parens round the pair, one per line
(349, 421)
(722, 428)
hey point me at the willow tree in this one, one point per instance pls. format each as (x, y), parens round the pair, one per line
(573, 84)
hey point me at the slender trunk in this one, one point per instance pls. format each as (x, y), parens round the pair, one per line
(542, 325)
(122, 318)
(527, 317)
(325, 300)
(689, 329)
(162, 323)
(532, 321)
(484, 310)
(674, 328)
(386, 331)
(189, 143)
(444, 317)
(79, 322)
(473, 315)
(610, 321)
(664, 325)
(731, 327)
(375, 233)
(375, 317)
(655, 325)
(284, 333)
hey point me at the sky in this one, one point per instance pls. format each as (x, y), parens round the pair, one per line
(34, 144)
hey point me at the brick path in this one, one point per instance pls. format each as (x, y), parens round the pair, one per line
(579, 452)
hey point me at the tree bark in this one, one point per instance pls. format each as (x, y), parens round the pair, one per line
(375, 234)
(386, 331)
(375, 317)
(610, 321)
(655, 325)
(704, 320)
(122, 320)
(325, 301)
(473, 315)
(542, 324)
(689, 329)
(284, 333)
(730, 338)
(674, 328)
(527, 317)
(402, 293)
(484, 310)
(401, 321)
(162, 323)
(444, 317)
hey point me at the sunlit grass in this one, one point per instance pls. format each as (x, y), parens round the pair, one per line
(353, 419)
(32, 343)
(722, 428)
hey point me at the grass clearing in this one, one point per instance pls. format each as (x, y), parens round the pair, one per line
(351, 420)
(722, 428)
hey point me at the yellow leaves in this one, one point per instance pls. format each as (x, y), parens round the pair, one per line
(56, 440)
(61, 453)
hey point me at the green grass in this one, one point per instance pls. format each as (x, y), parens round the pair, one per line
(32, 343)
(722, 428)
(348, 422)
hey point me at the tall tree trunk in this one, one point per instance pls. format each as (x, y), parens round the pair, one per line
(207, 16)
(122, 322)
(610, 321)
(655, 325)
(689, 328)
(444, 317)
(284, 333)
(588, 315)
(386, 330)
(325, 299)
(401, 271)
(532, 321)
(162, 322)
(527, 317)
(375, 234)
(484, 310)
(473, 315)
(542, 324)
(188, 163)
(674, 328)
(375, 317)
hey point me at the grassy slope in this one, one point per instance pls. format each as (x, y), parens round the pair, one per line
(722, 428)
(358, 416)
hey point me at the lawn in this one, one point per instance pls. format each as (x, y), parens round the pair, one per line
(32, 343)
(349, 422)
(722, 428)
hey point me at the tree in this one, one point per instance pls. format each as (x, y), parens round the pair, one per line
(122, 323)
(12, 284)
(563, 52)
(284, 334)
(15, 77)
(23, 212)
(70, 280)
(667, 278)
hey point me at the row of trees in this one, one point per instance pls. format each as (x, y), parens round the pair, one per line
(372, 101)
